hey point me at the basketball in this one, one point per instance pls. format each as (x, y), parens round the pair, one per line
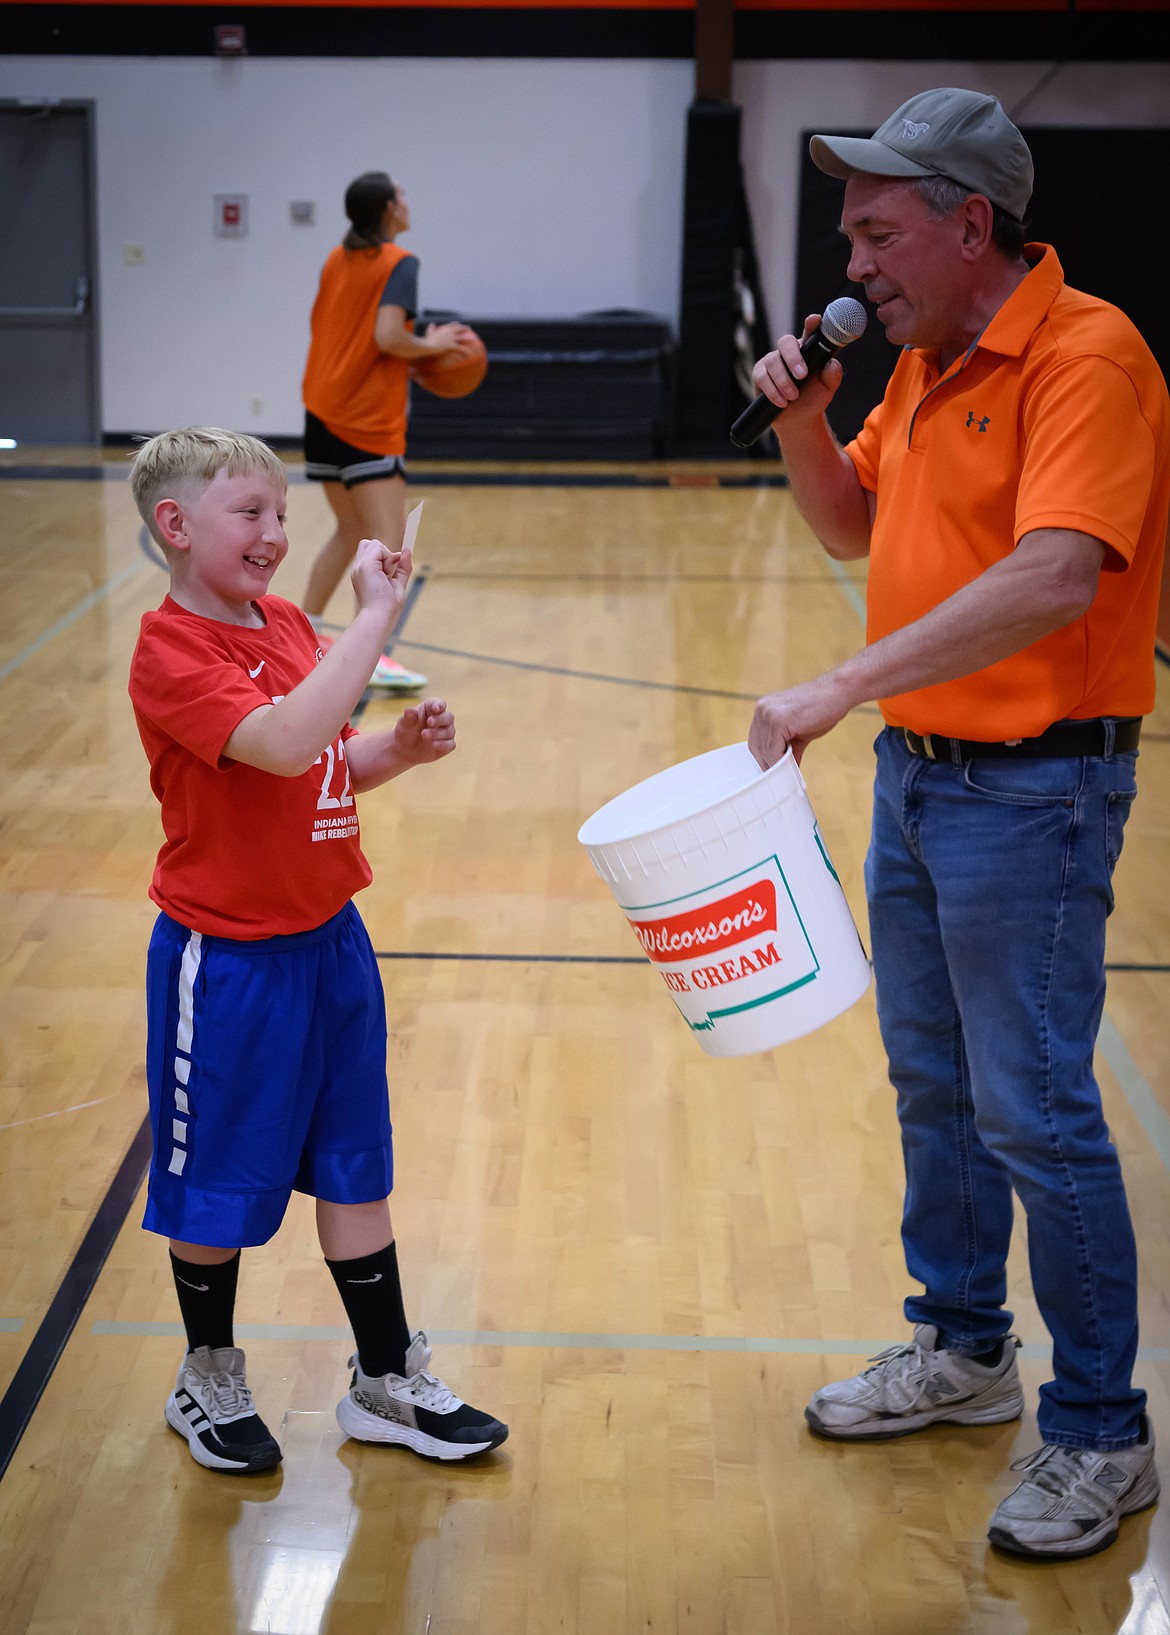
(454, 374)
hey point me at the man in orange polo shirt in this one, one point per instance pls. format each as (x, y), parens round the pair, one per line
(1011, 493)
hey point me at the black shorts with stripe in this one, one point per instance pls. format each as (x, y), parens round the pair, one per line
(329, 460)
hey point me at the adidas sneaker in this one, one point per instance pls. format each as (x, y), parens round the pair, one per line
(416, 1410)
(212, 1407)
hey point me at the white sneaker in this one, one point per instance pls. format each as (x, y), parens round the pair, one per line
(416, 1410)
(912, 1386)
(212, 1407)
(1072, 1499)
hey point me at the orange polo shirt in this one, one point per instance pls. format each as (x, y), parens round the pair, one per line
(358, 392)
(1058, 417)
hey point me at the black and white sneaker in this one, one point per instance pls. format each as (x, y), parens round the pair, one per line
(416, 1410)
(212, 1407)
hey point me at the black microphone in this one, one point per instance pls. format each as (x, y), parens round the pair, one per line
(842, 321)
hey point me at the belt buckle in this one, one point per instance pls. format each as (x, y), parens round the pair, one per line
(928, 746)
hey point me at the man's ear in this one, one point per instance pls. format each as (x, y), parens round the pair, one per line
(978, 223)
(171, 522)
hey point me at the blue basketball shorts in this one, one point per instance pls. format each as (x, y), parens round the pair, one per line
(266, 1064)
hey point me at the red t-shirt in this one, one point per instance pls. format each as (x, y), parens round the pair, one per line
(247, 854)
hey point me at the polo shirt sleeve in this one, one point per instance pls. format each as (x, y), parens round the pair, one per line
(1089, 457)
(866, 449)
(187, 689)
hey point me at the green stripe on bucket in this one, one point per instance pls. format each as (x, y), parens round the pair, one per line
(733, 1010)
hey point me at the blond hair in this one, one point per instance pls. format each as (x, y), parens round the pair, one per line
(195, 455)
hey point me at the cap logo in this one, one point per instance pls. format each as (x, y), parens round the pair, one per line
(910, 130)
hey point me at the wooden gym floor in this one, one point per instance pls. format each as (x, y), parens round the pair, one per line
(644, 1259)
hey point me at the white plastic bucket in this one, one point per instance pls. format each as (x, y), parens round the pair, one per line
(721, 871)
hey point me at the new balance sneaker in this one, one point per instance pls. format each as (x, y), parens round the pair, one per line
(388, 673)
(212, 1407)
(416, 1410)
(912, 1386)
(1072, 1499)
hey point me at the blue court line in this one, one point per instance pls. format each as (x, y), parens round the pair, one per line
(11, 1325)
(68, 619)
(545, 1341)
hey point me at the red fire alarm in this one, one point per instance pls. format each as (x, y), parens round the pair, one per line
(231, 215)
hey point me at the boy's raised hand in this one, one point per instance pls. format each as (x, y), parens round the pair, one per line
(379, 578)
(425, 732)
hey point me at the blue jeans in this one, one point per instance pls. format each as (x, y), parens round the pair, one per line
(989, 885)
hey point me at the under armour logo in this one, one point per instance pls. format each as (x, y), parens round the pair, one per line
(910, 130)
(980, 425)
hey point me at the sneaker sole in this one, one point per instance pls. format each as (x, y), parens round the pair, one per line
(364, 1427)
(211, 1461)
(885, 1430)
(1145, 1494)
(396, 685)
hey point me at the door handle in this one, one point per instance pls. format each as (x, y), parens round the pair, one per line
(53, 314)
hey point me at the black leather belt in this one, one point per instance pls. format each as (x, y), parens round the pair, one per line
(1065, 738)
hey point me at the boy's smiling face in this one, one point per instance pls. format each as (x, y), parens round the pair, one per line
(227, 540)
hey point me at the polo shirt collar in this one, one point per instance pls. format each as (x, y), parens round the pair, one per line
(1026, 308)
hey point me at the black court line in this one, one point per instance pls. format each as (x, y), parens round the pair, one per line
(578, 675)
(39, 1361)
(417, 586)
(1156, 970)
(682, 482)
(608, 579)
(150, 550)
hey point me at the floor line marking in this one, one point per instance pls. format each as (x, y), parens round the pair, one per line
(58, 1112)
(67, 620)
(1141, 1098)
(1146, 1107)
(552, 1340)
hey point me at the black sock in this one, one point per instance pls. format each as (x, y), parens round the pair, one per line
(372, 1295)
(207, 1300)
(991, 1358)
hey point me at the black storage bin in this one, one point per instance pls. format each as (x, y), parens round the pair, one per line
(593, 387)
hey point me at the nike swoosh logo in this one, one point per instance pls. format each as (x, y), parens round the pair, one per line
(200, 1288)
(254, 673)
(377, 1278)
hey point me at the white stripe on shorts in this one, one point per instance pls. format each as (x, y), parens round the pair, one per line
(192, 954)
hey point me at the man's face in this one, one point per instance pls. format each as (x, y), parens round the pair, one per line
(910, 262)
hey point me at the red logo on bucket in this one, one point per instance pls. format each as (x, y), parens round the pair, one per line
(706, 930)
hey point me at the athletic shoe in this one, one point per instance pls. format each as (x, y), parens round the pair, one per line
(912, 1386)
(396, 678)
(212, 1407)
(1070, 1502)
(415, 1410)
(388, 673)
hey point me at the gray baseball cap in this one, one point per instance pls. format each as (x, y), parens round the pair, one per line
(962, 135)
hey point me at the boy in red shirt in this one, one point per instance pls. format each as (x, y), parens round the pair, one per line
(266, 1050)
